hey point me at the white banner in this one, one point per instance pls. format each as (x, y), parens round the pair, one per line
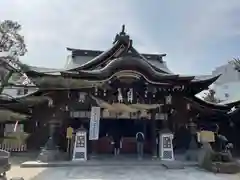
(94, 123)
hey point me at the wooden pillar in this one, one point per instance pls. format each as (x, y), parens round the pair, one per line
(153, 134)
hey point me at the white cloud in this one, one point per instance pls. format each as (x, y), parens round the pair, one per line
(213, 19)
(51, 26)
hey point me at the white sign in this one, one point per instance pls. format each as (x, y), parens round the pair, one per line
(166, 147)
(80, 146)
(94, 123)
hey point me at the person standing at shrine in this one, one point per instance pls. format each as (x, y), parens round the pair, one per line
(140, 144)
(117, 143)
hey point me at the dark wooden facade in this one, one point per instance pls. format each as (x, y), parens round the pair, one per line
(121, 76)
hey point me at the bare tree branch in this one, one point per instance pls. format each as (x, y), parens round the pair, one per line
(236, 63)
(211, 96)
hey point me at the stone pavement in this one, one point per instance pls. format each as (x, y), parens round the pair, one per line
(124, 172)
(116, 173)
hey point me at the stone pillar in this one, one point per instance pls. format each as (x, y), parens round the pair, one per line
(165, 127)
(192, 152)
(51, 143)
(50, 151)
(153, 135)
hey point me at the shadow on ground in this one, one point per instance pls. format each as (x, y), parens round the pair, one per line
(107, 172)
(117, 173)
(19, 158)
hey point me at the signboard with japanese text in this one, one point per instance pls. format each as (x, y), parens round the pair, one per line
(69, 133)
(94, 123)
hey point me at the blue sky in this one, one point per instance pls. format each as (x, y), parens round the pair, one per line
(196, 35)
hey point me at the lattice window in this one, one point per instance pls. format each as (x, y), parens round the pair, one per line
(80, 155)
(167, 155)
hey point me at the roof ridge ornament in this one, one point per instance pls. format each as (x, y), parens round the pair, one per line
(121, 35)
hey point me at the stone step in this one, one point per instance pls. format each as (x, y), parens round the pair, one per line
(30, 164)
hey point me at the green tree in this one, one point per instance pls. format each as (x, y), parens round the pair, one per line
(12, 46)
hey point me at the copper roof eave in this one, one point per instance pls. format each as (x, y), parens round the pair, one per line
(98, 52)
(232, 104)
(232, 101)
(19, 108)
(213, 106)
(15, 105)
(235, 112)
(185, 78)
(207, 81)
(167, 77)
(122, 64)
(206, 109)
(120, 46)
(77, 74)
(122, 74)
(164, 77)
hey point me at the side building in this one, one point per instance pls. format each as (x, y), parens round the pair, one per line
(228, 84)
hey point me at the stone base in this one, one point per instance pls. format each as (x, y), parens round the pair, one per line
(226, 167)
(49, 155)
(192, 155)
(154, 157)
(173, 165)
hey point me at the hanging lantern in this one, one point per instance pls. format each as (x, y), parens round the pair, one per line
(168, 99)
(50, 102)
(145, 94)
(66, 108)
(96, 91)
(120, 97)
(81, 96)
(154, 92)
(188, 106)
(130, 95)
